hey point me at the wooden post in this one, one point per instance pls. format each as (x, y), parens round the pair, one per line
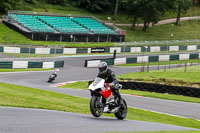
(46, 37)
(185, 67)
(60, 38)
(32, 36)
(148, 67)
(86, 39)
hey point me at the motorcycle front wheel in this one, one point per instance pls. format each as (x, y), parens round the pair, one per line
(122, 112)
(96, 107)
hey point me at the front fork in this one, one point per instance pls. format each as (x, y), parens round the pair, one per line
(99, 102)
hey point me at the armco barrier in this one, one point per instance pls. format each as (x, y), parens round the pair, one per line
(159, 88)
(31, 64)
(7, 49)
(140, 59)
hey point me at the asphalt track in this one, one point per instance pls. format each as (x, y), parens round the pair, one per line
(32, 120)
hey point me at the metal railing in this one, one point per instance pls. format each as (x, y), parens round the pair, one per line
(158, 43)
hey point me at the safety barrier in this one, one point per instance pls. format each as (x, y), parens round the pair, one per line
(160, 88)
(142, 58)
(31, 64)
(30, 50)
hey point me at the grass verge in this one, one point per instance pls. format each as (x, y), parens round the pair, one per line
(177, 76)
(167, 132)
(9, 36)
(21, 70)
(19, 96)
(163, 32)
(51, 55)
(162, 63)
(84, 85)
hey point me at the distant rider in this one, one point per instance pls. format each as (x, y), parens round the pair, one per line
(109, 76)
(54, 75)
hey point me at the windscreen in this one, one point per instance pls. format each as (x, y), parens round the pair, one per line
(97, 81)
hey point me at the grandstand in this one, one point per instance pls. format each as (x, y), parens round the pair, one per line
(51, 27)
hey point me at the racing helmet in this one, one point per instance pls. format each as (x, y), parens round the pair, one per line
(103, 67)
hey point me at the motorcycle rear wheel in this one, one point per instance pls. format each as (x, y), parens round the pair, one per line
(96, 111)
(122, 112)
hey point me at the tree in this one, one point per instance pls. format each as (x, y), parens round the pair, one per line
(9, 5)
(147, 10)
(181, 6)
(133, 10)
(94, 5)
(57, 2)
(116, 9)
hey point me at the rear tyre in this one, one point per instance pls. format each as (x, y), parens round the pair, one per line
(96, 109)
(50, 80)
(122, 112)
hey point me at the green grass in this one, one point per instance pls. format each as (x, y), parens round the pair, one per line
(9, 36)
(163, 32)
(162, 63)
(84, 85)
(174, 75)
(50, 55)
(20, 70)
(166, 132)
(22, 55)
(193, 11)
(77, 85)
(19, 96)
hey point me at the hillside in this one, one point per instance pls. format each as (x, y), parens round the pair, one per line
(71, 9)
(187, 30)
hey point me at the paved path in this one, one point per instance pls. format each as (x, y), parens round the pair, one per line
(167, 21)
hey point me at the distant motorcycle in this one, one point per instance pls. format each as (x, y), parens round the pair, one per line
(104, 101)
(52, 77)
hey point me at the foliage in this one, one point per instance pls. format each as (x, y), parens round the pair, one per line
(9, 5)
(146, 10)
(22, 4)
(94, 5)
(150, 10)
(181, 6)
(57, 2)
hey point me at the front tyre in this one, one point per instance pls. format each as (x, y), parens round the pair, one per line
(96, 107)
(122, 112)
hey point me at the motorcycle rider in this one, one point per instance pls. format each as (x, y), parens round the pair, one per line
(54, 74)
(109, 76)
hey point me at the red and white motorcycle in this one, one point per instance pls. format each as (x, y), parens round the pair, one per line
(103, 100)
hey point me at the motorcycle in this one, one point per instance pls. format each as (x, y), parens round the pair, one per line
(103, 100)
(52, 78)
